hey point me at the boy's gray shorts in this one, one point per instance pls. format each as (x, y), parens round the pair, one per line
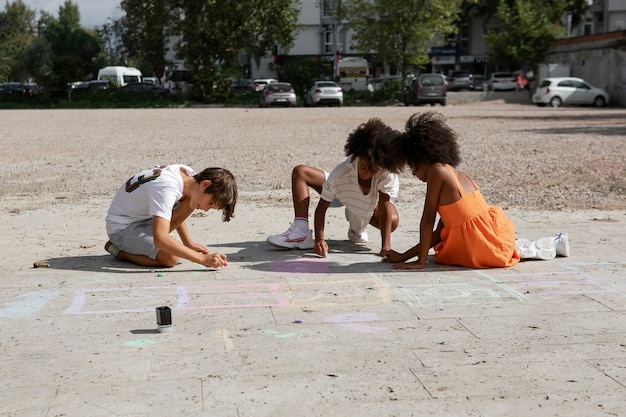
(136, 238)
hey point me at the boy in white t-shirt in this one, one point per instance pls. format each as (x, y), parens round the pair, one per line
(156, 201)
(359, 182)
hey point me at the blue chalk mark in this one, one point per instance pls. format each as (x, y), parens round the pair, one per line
(139, 342)
(27, 304)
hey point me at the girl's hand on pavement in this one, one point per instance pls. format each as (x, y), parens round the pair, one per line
(321, 248)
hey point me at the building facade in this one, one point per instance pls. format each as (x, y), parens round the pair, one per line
(320, 35)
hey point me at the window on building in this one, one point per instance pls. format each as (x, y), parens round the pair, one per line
(328, 41)
(327, 8)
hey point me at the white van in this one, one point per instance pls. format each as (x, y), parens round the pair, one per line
(353, 73)
(119, 76)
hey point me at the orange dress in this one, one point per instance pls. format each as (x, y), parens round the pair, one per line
(475, 235)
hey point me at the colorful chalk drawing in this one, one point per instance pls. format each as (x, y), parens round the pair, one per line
(26, 305)
(361, 292)
(236, 296)
(301, 266)
(571, 281)
(437, 293)
(125, 299)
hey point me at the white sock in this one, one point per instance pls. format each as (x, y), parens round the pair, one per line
(302, 224)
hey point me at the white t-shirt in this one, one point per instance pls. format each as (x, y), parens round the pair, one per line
(343, 184)
(152, 192)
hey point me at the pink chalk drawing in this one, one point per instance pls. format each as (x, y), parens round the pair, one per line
(140, 299)
(101, 300)
(301, 266)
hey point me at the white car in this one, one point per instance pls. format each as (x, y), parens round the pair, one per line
(260, 83)
(501, 81)
(569, 90)
(324, 93)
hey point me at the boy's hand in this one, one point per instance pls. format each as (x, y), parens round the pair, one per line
(214, 260)
(321, 248)
(199, 247)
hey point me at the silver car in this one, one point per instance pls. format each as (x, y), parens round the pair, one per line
(569, 90)
(278, 94)
(324, 93)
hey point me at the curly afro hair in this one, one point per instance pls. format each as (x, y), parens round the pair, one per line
(428, 139)
(373, 141)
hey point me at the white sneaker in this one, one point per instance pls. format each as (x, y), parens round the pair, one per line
(293, 238)
(542, 248)
(561, 243)
(355, 237)
(523, 247)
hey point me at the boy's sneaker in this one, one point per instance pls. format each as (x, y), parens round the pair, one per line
(293, 238)
(355, 237)
(561, 243)
(542, 248)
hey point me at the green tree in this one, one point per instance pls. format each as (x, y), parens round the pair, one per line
(72, 48)
(17, 33)
(400, 31)
(213, 34)
(525, 30)
(144, 35)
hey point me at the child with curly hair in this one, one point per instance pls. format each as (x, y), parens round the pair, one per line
(469, 233)
(361, 182)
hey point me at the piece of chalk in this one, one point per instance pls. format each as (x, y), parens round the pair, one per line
(298, 321)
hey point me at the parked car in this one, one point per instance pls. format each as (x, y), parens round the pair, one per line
(569, 91)
(11, 88)
(242, 86)
(324, 93)
(153, 80)
(262, 82)
(277, 94)
(426, 89)
(461, 80)
(90, 85)
(501, 81)
(146, 88)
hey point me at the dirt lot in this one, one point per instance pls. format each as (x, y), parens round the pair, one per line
(521, 155)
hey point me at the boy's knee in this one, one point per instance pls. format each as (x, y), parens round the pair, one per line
(167, 260)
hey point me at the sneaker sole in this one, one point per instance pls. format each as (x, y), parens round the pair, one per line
(292, 245)
(545, 249)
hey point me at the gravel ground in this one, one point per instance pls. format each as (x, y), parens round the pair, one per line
(522, 156)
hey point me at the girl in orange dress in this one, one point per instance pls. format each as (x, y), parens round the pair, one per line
(470, 233)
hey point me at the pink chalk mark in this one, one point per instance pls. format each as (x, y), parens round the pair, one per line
(301, 266)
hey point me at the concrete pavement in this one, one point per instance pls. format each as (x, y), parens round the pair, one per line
(285, 333)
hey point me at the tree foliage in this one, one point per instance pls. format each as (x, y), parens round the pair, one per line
(17, 33)
(525, 30)
(144, 35)
(400, 31)
(71, 50)
(212, 34)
